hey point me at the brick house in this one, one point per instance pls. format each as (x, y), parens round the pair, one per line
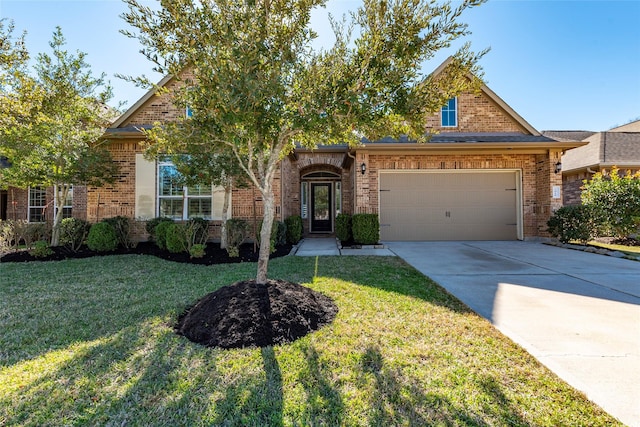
(486, 174)
(619, 146)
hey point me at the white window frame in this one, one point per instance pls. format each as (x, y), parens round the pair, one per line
(446, 110)
(67, 205)
(184, 196)
(43, 193)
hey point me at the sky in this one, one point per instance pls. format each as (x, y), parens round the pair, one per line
(561, 65)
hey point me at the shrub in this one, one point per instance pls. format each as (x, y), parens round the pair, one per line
(343, 227)
(365, 228)
(8, 239)
(41, 249)
(161, 233)
(73, 232)
(102, 237)
(151, 225)
(572, 223)
(278, 235)
(294, 229)
(122, 226)
(237, 231)
(197, 250)
(197, 230)
(614, 200)
(176, 238)
(30, 232)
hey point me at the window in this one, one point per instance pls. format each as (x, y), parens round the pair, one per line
(188, 112)
(178, 201)
(304, 189)
(68, 203)
(37, 204)
(450, 113)
(338, 193)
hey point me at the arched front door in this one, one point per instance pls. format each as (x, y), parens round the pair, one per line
(321, 198)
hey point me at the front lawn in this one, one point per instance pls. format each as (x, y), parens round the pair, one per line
(90, 342)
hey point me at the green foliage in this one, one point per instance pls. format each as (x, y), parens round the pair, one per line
(197, 231)
(259, 85)
(73, 232)
(237, 232)
(41, 249)
(176, 238)
(573, 222)
(366, 228)
(343, 227)
(615, 201)
(53, 136)
(278, 235)
(122, 226)
(161, 233)
(102, 237)
(14, 233)
(294, 229)
(151, 225)
(197, 250)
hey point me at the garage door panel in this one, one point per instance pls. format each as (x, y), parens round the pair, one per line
(448, 206)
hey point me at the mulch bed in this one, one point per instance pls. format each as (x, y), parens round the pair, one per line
(213, 254)
(250, 314)
(244, 314)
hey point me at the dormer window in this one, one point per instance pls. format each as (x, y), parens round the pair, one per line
(188, 112)
(450, 113)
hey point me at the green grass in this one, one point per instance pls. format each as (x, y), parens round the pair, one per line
(632, 251)
(90, 342)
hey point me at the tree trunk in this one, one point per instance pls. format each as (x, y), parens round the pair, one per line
(61, 192)
(268, 203)
(228, 186)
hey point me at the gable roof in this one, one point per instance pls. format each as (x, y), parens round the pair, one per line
(493, 97)
(135, 107)
(629, 127)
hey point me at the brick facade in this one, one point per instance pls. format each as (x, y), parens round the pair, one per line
(17, 203)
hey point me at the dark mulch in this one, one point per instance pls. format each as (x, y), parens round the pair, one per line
(249, 314)
(213, 254)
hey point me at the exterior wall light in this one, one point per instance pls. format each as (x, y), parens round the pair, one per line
(558, 167)
(363, 168)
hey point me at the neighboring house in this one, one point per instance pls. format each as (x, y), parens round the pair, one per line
(486, 175)
(619, 147)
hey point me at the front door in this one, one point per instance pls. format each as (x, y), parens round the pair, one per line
(321, 207)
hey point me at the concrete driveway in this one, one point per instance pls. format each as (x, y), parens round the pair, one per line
(578, 313)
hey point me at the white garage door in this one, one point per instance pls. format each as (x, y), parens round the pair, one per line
(463, 205)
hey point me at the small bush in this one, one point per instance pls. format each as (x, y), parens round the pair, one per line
(41, 249)
(30, 232)
(8, 238)
(102, 237)
(151, 225)
(73, 233)
(237, 231)
(365, 228)
(197, 230)
(294, 229)
(161, 233)
(122, 226)
(573, 223)
(280, 229)
(343, 227)
(176, 238)
(197, 250)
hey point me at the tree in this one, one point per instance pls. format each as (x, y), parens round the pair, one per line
(614, 200)
(54, 137)
(259, 82)
(204, 164)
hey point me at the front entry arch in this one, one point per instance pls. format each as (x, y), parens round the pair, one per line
(321, 199)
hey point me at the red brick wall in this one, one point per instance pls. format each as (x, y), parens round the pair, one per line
(477, 113)
(537, 179)
(18, 203)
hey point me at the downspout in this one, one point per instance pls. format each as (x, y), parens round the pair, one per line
(353, 169)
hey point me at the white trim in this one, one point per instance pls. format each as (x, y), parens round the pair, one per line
(442, 111)
(30, 206)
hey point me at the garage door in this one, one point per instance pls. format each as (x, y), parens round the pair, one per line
(464, 205)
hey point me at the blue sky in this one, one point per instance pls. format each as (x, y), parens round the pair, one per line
(559, 64)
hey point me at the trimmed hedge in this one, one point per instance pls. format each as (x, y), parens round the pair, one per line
(151, 225)
(573, 222)
(73, 232)
(175, 238)
(102, 237)
(294, 229)
(365, 228)
(343, 227)
(161, 233)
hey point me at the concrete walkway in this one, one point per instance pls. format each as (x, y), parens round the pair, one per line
(314, 246)
(577, 313)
